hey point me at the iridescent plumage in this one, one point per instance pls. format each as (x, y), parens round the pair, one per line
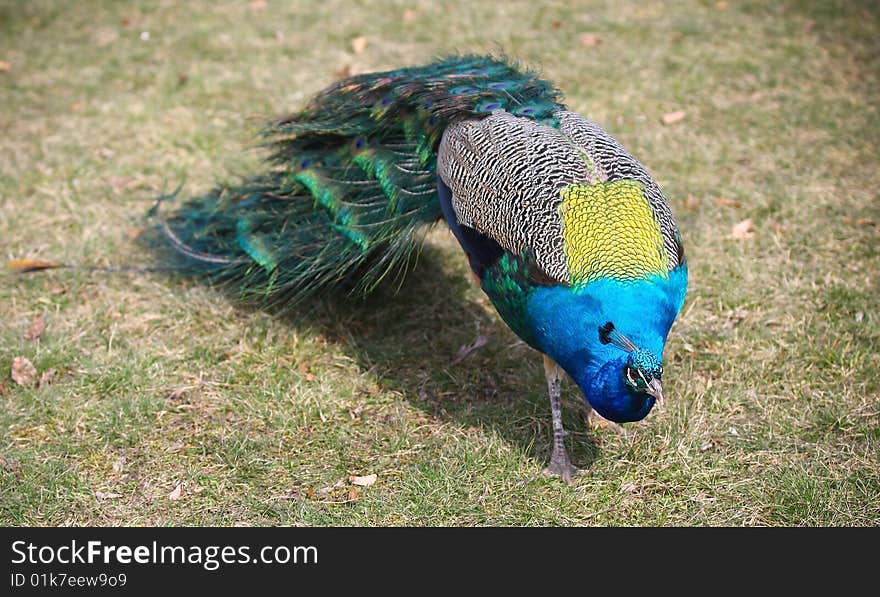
(566, 231)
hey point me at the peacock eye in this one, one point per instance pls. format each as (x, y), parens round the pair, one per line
(635, 378)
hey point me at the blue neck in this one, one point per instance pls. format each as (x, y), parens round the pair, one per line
(565, 322)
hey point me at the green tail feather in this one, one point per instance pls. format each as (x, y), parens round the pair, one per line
(352, 182)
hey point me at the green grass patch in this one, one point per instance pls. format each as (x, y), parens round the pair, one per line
(773, 415)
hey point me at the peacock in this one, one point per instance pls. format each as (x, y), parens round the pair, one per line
(569, 236)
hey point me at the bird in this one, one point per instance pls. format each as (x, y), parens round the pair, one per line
(567, 234)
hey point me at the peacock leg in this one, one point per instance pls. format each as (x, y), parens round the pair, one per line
(560, 464)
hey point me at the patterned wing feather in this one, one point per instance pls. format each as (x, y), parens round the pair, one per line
(505, 173)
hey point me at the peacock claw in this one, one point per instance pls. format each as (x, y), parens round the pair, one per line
(561, 466)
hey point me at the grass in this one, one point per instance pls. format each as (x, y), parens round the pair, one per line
(773, 415)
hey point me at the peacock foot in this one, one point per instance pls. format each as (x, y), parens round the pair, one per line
(561, 466)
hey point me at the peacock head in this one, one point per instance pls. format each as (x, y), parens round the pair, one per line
(642, 373)
(642, 369)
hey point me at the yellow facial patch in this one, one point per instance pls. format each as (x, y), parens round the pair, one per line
(610, 231)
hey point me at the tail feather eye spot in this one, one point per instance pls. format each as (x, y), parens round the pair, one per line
(463, 90)
(488, 107)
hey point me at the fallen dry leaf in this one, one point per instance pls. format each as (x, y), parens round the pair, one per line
(23, 371)
(118, 182)
(350, 70)
(355, 413)
(466, 350)
(175, 493)
(304, 369)
(590, 40)
(46, 377)
(723, 202)
(736, 317)
(332, 489)
(722, 5)
(410, 15)
(38, 326)
(8, 465)
(5, 67)
(353, 494)
(809, 24)
(177, 393)
(743, 230)
(175, 447)
(691, 203)
(359, 44)
(106, 496)
(364, 481)
(257, 4)
(673, 117)
(23, 266)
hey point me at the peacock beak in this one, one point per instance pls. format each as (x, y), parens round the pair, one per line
(655, 390)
